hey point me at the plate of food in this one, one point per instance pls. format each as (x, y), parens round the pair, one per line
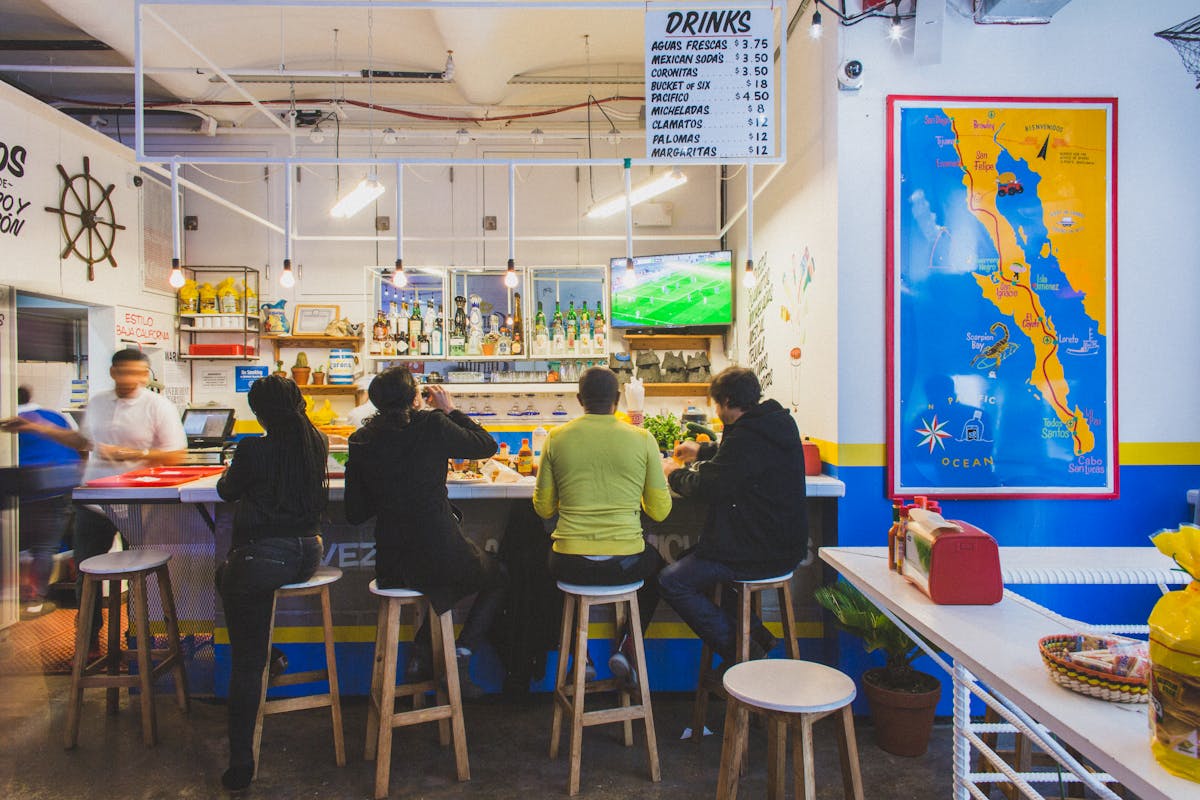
(465, 478)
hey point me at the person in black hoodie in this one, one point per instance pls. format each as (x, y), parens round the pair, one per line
(396, 472)
(279, 484)
(756, 525)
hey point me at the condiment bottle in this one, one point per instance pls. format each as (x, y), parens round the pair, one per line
(525, 458)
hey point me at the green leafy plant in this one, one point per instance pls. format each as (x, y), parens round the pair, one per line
(858, 616)
(320, 370)
(665, 429)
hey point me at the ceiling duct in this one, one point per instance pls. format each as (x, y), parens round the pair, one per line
(1017, 12)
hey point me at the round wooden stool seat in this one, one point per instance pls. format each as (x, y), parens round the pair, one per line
(793, 687)
(599, 591)
(322, 577)
(792, 696)
(786, 577)
(124, 561)
(411, 593)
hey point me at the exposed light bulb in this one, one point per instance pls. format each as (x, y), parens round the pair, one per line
(399, 279)
(462, 136)
(287, 278)
(510, 275)
(176, 279)
(896, 32)
(814, 30)
(613, 136)
(316, 135)
(537, 136)
(629, 267)
(448, 71)
(389, 136)
(748, 278)
(508, 321)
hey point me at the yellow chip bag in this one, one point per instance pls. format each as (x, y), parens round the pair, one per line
(1175, 660)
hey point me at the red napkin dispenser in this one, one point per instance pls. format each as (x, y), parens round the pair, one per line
(812, 458)
(952, 561)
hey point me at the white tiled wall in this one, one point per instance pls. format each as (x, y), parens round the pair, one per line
(49, 380)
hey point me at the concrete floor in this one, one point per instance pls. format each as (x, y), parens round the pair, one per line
(508, 751)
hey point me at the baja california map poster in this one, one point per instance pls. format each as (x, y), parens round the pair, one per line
(1001, 297)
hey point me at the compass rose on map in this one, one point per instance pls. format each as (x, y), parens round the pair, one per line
(933, 433)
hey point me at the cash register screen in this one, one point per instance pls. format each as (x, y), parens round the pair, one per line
(207, 427)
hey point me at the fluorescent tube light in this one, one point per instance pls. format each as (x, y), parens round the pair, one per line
(358, 198)
(640, 194)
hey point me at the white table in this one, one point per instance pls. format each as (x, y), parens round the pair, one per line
(997, 645)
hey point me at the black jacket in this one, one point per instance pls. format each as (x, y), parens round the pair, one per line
(398, 475)
(259, 514)
(754, 485)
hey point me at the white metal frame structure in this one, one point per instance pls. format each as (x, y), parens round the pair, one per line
(865, 566)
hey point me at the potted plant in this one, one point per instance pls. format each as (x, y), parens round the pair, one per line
(318, 376)
(301, 370)
(279, 370)
(902, 699)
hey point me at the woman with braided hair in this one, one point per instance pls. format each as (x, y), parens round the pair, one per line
(280, 486)
(397, 474)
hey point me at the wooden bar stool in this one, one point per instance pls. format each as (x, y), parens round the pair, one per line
(132, 566)
(749, 601)
(382, 716)
(318, 584)
(570, 699)
(789, 694)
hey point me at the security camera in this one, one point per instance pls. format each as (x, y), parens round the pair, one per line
(135, 181)
(850, 75)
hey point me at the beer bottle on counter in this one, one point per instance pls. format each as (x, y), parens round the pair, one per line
(525, 458)
(600, 331)
(379, 332)
(430, 316)
(437, 340)
(414, 324)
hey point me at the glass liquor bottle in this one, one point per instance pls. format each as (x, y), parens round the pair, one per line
(423, 344)
(427, 320)
(541, 339)
(414, 323)
(438, 339)
(585, 336)
(600, 332)
(379, 332)
(458, 330)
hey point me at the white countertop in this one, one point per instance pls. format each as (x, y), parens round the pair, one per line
(998, 644)
(204, 490)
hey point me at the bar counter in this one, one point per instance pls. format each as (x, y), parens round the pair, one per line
(192, 523)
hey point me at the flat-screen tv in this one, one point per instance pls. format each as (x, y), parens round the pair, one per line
(680, 290)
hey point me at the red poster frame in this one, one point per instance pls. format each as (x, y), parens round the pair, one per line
(894, 490)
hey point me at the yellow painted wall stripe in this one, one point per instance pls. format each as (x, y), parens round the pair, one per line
(597, 630)
(1138, 454)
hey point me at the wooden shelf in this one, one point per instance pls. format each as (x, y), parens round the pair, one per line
(315, 342)
(668, 341)
(677, 390)
(325, 388)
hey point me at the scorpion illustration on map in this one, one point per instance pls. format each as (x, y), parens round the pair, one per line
(991, 356)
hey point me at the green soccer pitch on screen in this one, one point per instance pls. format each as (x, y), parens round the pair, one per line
(680, 290)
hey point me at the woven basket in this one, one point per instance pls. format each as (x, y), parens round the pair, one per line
(1077, 678)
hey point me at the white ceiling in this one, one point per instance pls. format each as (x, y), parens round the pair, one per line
(584, 48)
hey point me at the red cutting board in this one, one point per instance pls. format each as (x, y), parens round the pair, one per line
(155, 477)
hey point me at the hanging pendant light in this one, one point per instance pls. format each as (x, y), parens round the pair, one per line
(176, 279)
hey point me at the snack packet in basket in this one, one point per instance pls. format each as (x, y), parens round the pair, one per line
(1175, 661)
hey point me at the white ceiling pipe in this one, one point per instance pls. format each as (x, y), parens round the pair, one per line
(665, 237)
(263, 161)
(424, 5)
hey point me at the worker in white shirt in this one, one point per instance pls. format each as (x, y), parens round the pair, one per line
(124, 429)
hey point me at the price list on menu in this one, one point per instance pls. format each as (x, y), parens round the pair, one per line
(710, 82)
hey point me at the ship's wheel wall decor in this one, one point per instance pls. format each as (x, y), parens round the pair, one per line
(89, 221)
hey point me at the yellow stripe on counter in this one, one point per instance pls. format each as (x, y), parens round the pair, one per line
(1143, 454)
(598, 630)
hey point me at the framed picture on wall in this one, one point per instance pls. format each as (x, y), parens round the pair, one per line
(312, 319)
(1001, 297)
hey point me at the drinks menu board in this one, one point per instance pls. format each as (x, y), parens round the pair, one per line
(710, 82)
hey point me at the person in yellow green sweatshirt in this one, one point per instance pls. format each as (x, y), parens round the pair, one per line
(598, 474)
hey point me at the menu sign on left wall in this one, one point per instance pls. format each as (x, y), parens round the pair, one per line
(13, 206)
(710, 84)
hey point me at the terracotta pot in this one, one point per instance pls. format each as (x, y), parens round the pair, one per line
(300, 375)
(318, 378)
(903, 720)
